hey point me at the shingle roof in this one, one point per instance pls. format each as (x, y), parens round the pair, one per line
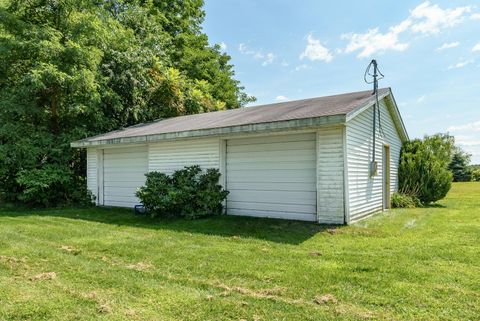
(293, 110)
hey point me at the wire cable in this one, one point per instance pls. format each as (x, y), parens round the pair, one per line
(376, 76)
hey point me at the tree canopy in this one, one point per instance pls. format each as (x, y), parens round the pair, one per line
(459, 166)
(74, 68)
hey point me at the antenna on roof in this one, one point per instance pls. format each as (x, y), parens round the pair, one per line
(375, 77)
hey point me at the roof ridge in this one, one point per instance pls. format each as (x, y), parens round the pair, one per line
(309, 111)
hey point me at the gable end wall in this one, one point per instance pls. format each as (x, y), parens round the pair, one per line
(365, 193)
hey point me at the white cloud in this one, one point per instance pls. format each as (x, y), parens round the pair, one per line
(281, 98)
(475, 16)
(426, 19)
(467, 140)
(421, 99)
(467, 136)
(433, 18)
(473, 126)
(476, 47)
(374, 41)
(267, 58)
(461, 64)
(448, 45)
(242, 48)
(223, 46)
(316, 51)
(301, 67)
(245, 50)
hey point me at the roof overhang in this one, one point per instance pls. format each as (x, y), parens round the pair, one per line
(276, 126)
(294, 124)
(397, 118)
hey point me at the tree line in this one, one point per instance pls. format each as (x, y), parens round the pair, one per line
(70, 69)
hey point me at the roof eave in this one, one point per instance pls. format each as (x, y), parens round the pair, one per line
(392, 105)
(293, 124)
(398, 117)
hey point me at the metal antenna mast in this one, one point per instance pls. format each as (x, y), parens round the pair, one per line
(376, 75)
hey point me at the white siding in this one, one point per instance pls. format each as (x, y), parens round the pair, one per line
(92, 171)
(330, 175)
(272, 176)
(365, 192)
(321, 176)
(124, 172)
(166, 157)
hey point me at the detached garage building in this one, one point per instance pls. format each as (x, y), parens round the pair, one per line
(302, 160)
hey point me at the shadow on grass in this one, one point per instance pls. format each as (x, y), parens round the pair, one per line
(274, 230)
(434, 205)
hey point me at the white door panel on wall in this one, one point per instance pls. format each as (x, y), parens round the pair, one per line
(272, 176)
(123, 173)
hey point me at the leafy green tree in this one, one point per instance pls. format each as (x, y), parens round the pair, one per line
(74, 68)
(441, 145)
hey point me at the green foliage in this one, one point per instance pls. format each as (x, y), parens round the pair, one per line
(442, 146)
(51, 185)
(413, 264)
(188, 193)
(400, 200)
(71, 69)
(476, 175)
(423, 169)
(459, 166)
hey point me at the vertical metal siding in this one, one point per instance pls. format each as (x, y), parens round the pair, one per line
(92, 171)
(166, 157)
(330, 176)
(365, 192)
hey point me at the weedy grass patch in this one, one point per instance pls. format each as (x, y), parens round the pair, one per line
(106, 264)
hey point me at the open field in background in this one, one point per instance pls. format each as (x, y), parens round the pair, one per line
(68, 264)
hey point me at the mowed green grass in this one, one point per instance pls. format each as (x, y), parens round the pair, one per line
(70, 264)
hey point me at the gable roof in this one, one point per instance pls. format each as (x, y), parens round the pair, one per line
(280, 116)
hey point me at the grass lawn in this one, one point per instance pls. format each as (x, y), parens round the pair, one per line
(66, 264)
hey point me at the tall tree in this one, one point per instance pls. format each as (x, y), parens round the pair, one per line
(74, 68)
(459, 166)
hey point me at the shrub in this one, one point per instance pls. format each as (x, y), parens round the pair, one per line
(189, 192)
(423, 169)
(52, 185)
(400, 200)
(476, 175)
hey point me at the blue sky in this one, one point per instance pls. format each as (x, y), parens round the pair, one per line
(429, 52)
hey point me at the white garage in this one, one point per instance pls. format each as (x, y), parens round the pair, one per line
(306, 160)
(272, 177)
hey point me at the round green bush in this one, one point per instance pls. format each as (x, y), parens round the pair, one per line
(423, 169)
(189, 192)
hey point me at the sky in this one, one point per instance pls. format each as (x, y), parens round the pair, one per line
(429, 52)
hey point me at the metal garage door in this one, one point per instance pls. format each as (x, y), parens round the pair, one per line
(123, 172)
(272, 176)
